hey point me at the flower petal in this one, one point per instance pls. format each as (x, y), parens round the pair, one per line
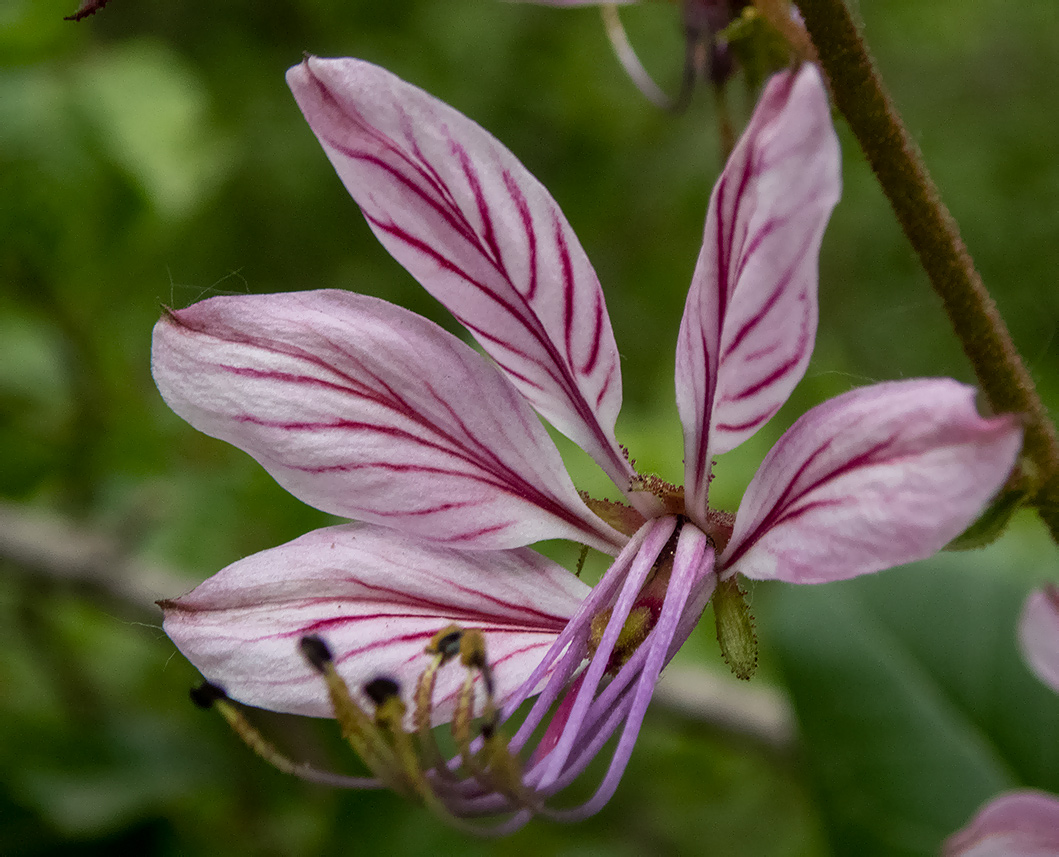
(1021, 823)
(481, 234)
(750, 318)
(1039, 634)
(879, 476)
(376, 598)
(366, 410)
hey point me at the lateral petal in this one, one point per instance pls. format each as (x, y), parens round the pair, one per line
(750, 318)
(1022, 823)
(481, 234)
(1039, 634)
(368, 411)
(376, 598)
(877, 477)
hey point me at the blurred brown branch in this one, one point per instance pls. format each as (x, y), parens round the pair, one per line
(45, 545)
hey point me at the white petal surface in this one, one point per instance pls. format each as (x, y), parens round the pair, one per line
(877, 477)
(368, 411)
(376, 598)
(1016, 824)
(1039, 634)
(750, 319)
(481, 234)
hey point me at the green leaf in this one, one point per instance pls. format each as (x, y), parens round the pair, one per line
(914, 704)
(151, 115)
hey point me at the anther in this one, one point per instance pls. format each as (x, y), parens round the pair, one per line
(379, 690)
(316, 652)
(472, 650)
(472, 656)
(446, 643)
(206, 694)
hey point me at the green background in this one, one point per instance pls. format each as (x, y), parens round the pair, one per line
(153, 155)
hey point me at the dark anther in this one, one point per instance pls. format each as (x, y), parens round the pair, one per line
(381, 689)
(316, 652)
(206, 694)
(488, 730)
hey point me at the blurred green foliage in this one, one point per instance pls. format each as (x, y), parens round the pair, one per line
(152, 155)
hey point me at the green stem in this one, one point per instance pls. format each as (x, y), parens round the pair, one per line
(859, 94)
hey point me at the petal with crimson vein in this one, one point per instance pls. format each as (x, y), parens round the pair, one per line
(481, 234)
(750, 318)
(376, 598)
(368, 411)
(876, 477)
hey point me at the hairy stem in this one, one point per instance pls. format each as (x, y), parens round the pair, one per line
(859, 94)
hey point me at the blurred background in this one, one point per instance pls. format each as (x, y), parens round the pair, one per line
(152, 155)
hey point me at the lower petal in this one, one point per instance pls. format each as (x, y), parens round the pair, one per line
(376, 598)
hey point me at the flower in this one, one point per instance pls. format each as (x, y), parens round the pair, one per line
(1023, 822)
(368, 411)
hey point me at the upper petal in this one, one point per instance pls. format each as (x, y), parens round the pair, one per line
(376, 598)
(366, 410)
(481, 234)
(1039, 634)
(750, 318)
(879, 476)
(1021, 823)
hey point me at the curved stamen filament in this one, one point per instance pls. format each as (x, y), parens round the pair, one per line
(626, 54)
(209, 695)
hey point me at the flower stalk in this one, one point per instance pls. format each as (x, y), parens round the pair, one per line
(859, 94)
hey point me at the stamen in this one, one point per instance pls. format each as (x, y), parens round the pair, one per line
(689, 570)
(658, 533)
(626, 55)
(390, 713)
(357, 728)
(567, 652)
(209, 695)
(493, 765)
(444, 645)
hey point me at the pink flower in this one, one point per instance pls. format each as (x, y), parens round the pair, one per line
(1023, 823)
(370, 412)
(1039, 634)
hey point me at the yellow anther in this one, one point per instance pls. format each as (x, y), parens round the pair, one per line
(446, 642)
(472, 649)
